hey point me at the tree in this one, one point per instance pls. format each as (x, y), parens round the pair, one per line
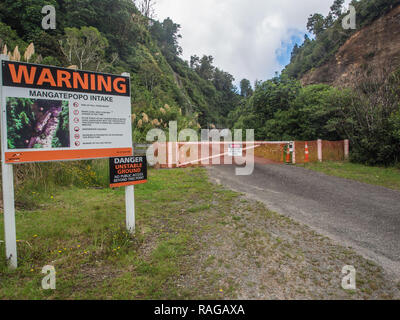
(273, 95)
(370, 119)
(228, 98)
(194, 62)
(167, 36)
(204, 66)
(146, 7)
(245, 88)
(85, 48)
(223, 81)
(316, 24)
(149, 75)
(337, 8)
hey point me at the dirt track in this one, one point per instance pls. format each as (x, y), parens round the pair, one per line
(362, 216)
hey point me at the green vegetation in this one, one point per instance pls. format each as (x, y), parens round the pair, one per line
(367, 114)
(188, 244)
(114, 36)
(95, 257)
(87, 243)
(85, 48)
(194, 240)
(385, 177)
(111, 36)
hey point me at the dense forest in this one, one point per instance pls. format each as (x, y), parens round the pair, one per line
(122, 36)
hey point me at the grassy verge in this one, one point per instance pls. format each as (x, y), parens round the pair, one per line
(385, 177)
(80, 231)
(194, 240)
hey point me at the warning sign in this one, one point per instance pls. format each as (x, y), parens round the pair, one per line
(235, 150)
(55, 114)
(127, 171)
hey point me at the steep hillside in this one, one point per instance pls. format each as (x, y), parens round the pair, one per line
(371, 50)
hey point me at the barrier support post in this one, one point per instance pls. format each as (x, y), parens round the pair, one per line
(319, 142)
(294, 153)
(130, 209)
(346, 149)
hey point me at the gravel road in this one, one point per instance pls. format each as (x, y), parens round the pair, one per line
(359, 215)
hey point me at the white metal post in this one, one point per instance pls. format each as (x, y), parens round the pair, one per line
(346, 149)
(130, 208)
(8, 192)
(319, 143)
(9, 215)
(294, 153)
(170, 155)
(130, 199)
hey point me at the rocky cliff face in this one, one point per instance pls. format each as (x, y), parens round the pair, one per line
(373, 49)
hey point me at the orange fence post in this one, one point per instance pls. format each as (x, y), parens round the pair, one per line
(306, 153)
(287, 154)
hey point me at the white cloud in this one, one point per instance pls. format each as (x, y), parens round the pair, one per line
(242, 36)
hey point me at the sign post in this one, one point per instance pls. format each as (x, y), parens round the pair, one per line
(128, 172)
(130, 209)
(8, 197)
(130, 198)
(9, 215)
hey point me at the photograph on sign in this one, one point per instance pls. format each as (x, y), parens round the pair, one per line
(127, 171)
(55, 114)
(37, 124)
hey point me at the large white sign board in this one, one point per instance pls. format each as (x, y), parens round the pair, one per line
(55, 114)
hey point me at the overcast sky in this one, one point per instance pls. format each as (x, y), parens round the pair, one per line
(250, 39)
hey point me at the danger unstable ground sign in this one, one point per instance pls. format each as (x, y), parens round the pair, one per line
(127, 171)
(57, 114)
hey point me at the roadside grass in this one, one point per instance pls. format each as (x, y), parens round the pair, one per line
(80, 231)
(380, 176)
(32, 180)
(194, 240)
